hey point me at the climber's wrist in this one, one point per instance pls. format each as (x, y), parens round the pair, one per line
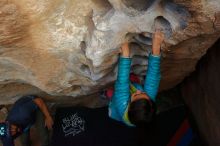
(125, 51)
(156, 51)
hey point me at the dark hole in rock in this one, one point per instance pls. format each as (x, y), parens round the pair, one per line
(85, 68)
(83, 46)
(177, 11)
(139, 70)
(139, 60)
(134, 45)
(138, 48)
(140, 5)
(140, 39)
(103, 4)
(163, 24)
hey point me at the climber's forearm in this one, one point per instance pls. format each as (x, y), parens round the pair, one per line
(42, 106)
(158, 38)
(125, 52)
(124, 65)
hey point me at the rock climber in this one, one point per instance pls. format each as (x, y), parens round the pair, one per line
(131, 103)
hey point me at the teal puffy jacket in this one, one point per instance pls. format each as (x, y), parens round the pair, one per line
(122, 97)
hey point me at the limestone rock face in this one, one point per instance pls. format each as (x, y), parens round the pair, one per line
(70, 47)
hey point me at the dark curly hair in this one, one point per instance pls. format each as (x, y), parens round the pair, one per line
(141, 111)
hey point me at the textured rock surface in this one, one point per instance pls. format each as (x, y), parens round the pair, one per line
(70, 47)
(201, 93)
